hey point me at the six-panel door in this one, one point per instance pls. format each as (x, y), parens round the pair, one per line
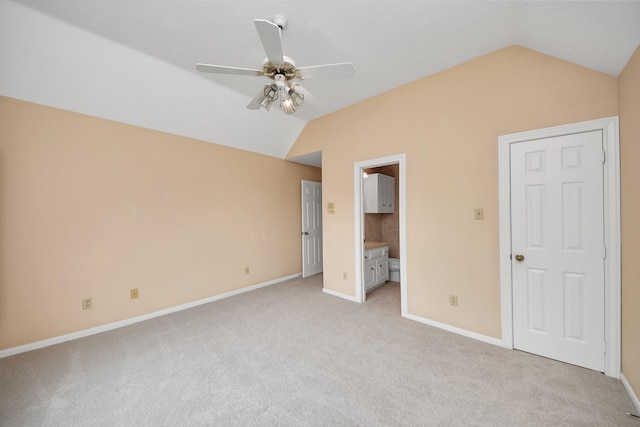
(557, 248)
(311, 228)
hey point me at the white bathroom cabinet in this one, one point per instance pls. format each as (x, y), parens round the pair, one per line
(379, 193)
(376, 266)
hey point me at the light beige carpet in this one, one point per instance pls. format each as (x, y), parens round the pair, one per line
(290, 355)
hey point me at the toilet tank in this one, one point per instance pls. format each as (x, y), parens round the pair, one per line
(394, 269)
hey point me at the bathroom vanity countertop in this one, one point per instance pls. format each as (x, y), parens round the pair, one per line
(373, 245)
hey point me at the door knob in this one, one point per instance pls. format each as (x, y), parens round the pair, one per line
(305, 233)
(519, 258)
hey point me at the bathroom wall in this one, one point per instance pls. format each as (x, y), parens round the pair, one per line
(385, 227)
(373, 227)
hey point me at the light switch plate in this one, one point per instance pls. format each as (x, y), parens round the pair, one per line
(479, 213)
(331, 208)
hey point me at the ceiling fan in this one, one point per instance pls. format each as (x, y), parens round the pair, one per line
(281, 69)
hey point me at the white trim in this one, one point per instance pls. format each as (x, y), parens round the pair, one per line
(358, 225)
(609, 128)
(459, 331)
(126, 322)
(340, 295)
(401, 160)
(632, 395)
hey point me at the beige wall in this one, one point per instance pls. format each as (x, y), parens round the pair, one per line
(630, 183)
(448, 126)
(93, 208)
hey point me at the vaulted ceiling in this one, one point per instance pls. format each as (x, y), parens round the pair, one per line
(133, 61)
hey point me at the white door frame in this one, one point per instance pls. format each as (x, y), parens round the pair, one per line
(609, 128)
(358, 210)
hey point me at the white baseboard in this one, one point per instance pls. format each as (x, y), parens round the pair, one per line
(126, 322)
(340, 295)
(459, 331)
(630, 392)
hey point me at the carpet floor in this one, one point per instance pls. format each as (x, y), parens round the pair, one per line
(290, 355)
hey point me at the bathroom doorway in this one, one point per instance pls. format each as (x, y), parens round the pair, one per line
(396, 165)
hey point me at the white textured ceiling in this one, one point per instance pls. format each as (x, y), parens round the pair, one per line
(133, 61)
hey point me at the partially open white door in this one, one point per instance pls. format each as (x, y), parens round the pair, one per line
(558, 252)
(311, 228)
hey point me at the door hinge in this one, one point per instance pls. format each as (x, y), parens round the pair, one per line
(604, 156)
(604, 252)
(605, 346)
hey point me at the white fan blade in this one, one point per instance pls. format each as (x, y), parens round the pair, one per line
(270, 36)
(342, 70)
(253, 105)
(221, 69)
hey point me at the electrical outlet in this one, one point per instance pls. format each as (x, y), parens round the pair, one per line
(134, 293)
(246, 270)
(453, 300)
(87, 303)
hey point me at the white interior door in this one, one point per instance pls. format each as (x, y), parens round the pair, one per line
(557, 204)
(311, 228)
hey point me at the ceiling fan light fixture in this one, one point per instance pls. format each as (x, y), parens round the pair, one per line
(292, 97)
(266, 103)
(296, 96)
(270, 95)
(288, 106)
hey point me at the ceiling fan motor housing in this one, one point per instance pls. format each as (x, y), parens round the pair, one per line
(288, 69)
(280, 21)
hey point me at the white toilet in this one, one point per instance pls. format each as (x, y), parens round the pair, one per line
(394, 269)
